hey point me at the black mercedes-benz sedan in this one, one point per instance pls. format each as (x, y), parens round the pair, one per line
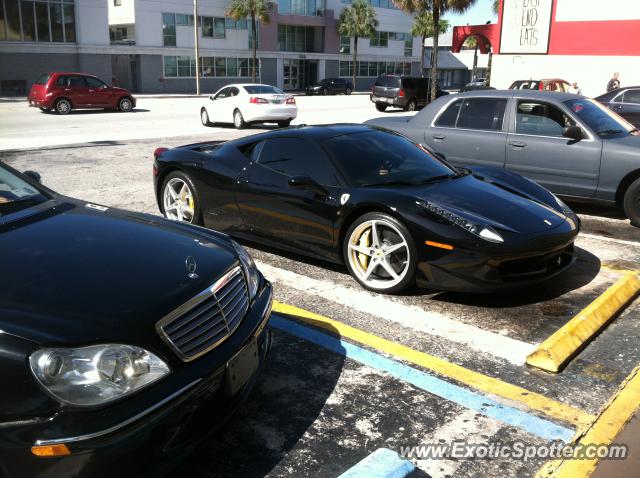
(125, 338)
(388, 208)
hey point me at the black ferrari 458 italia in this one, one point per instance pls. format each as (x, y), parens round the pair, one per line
(393, 212)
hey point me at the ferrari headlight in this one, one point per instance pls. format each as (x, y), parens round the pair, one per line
(565, 209)
(250, 269)
(95, 375)
(481, 230)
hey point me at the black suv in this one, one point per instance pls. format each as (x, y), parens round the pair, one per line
(404, 92)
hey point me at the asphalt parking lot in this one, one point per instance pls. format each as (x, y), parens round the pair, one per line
(334, 390)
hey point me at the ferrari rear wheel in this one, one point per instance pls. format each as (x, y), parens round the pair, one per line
(380, 253)
(180, 200)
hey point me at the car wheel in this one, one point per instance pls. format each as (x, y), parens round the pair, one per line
(347, 91)
(412, 105)
(380, 253)
(180, 200)
(125, 104)
(204, 117)
(631, 203)
(284, 124)
(238, 120)
(325, 92)
(63, 106)
(381, 107)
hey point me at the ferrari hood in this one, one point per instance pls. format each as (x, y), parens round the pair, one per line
(491, 204)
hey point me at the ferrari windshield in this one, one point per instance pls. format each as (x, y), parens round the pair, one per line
(372, 158)
(600, 119)
(15, 193)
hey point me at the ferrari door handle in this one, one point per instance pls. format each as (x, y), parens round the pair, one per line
(517, 144)
(439, 137)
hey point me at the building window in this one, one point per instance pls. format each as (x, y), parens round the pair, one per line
(168, 29)
(345, 44)
(184, 20)
(42, 21)
(213, 27)
(380, 39)
(117, 3)
(185, 67)
(300, 38)
(309, 8)
(375, 68)
(232, 24)
(376, 3)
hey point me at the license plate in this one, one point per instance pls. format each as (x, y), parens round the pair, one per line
(241, 367)
(389, 100)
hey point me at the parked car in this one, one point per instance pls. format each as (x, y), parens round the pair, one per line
(245, 104)
(330, 86)
(625, 102)
(63, 92)
(479, 84)
(375, 201)
(550, 84)
(571, 145)
(126, 338)
(403, 92)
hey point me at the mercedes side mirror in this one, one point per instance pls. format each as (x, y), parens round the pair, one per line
(573, 132)
(305, 182)
(33, 175)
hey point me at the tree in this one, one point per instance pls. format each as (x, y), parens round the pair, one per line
(423, 28)
(357, 21)
(472, 42)
(496, 6)
(257, 11)
(438, 8)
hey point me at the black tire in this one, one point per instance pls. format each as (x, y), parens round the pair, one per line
(125, 104)
(631, 202)
(284, 124)
(381, 107)
(412, 105)
(44, 110)
(204, 117)
(325, 92)
(347, 91)
(410, 276)
(238, 120)
(197, 210)
(63, 106)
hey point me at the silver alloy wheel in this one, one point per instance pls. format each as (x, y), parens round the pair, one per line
(125, 105)
(378, 254)
(204, 117)
(238, 121)
(411, 106)
(63, 107)
(178, 201)
(348, 92)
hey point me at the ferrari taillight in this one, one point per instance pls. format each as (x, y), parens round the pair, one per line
(256, 100)
(159, 151)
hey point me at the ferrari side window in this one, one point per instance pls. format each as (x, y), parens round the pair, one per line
(449, 117)
(297, 157)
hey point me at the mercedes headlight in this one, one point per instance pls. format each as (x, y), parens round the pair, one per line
(481, 230)
(95, 375)
(250, 269)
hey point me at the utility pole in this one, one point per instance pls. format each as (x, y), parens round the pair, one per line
(197, 43)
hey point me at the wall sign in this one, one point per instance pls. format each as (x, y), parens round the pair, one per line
(525, 26)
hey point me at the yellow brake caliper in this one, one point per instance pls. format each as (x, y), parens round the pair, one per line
(365, 241)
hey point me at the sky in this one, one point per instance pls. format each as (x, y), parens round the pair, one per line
(479, 14)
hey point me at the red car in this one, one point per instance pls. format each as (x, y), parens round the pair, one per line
(63, 92)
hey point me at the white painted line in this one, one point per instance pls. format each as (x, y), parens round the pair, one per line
(413, 317)
(609, 239)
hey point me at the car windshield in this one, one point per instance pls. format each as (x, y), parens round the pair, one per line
(42, 79)
(16, 193)
(263, 89)
(600, 119)
(373, 158)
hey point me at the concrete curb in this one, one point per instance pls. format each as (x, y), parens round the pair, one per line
(554, 352)
(382, 463)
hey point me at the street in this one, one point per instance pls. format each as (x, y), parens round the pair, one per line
(319, 407)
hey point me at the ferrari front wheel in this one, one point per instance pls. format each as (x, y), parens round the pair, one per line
(179, 199)
(380, 253)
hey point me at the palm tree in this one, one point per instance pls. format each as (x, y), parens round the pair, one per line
(258, 11)
(496, 6)
(423, 27)
(472, 42)
(357, 20)
(437, 7)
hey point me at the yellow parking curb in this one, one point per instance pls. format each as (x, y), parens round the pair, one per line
(484, 383)
(604, 430)
(555, 351)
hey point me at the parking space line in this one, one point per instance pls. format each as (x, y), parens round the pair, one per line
(609, 239)
(416, 318)
(382, 463)
(603, 431)
(552, 354)
(454, 393)
(492, 386)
